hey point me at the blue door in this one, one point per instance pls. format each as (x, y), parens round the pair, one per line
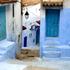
(37, 35)
(25, 41)
(2, 22)
(52, 22)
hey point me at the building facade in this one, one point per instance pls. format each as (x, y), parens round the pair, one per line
(10, 17)
(55, 26)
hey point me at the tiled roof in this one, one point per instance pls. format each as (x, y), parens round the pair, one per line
(52, 3)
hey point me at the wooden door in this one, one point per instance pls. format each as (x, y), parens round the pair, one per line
(52, 22)
(2, 22)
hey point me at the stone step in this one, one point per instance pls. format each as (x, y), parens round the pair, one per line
(27, 53)
(7, 49)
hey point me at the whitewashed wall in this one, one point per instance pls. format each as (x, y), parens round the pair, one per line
(66, 4)
(34, 14)
(17, 23)
(9, 20)
(17, 26)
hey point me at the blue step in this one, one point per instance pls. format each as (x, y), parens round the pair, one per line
(7, 50)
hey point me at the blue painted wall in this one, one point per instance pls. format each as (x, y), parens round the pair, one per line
(64, 32)
(2, 22)
(64, 29)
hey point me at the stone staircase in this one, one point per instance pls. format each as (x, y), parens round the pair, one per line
(27, 53)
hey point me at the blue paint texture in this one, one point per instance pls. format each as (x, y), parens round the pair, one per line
(64, 31)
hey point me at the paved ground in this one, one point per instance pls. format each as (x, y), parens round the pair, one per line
(57, 64)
